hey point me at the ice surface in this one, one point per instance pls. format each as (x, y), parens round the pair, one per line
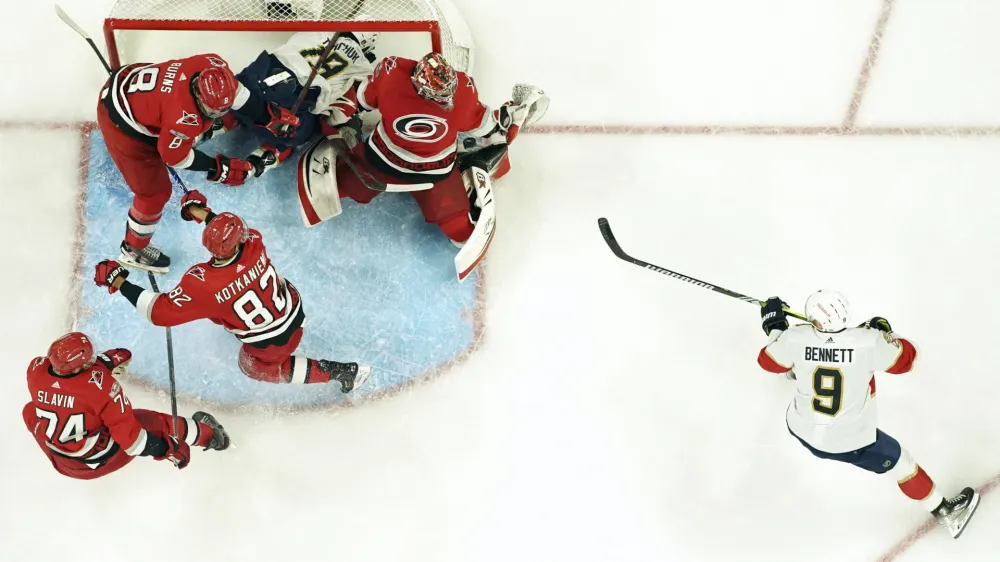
(609, 413)
(377, 283)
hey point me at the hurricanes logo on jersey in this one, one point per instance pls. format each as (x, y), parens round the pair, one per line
(421, 128)
(217, 62)
(188, 119)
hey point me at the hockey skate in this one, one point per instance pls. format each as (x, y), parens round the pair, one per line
(149, 258)
(220, 439)
(349, 375)
(954, 513)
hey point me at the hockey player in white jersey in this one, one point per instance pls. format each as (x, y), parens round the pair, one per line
(833, 413)
(278, 77)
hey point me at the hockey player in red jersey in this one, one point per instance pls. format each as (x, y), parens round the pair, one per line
(239, 289)
(155, 114)
(426, 107)
(84, 423)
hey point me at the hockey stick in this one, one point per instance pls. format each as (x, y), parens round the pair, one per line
(324, 55)
(612, 242)
(69, 21)
(170, 363)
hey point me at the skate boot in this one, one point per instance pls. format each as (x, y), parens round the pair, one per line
(220, 439)
(349, 375)
(954, 513)
(149, 258)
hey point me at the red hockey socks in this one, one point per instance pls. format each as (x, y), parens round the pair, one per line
(193, 433)
(914, 482)
(295, 370)
(143, 218)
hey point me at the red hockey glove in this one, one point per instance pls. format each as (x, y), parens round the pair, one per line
(178, 452)
(283, 122)
(106, 273)
(230, 171)
(193, 198)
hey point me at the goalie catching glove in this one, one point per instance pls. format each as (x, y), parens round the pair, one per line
(527, 106)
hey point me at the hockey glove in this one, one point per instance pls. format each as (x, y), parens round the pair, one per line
(107, 272)
(193, 199)
(230, 171)
(219, 126)
(267, 157)
(772, 315)
(878, 323)
(282, 121)
(178, 452)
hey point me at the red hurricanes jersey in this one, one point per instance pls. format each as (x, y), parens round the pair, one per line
(417, 136)
(85, 416)
(153, 102)
(246, 296)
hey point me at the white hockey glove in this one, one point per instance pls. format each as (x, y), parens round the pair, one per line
(527, 105)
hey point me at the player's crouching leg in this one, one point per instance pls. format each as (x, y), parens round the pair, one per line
(276, 364)
(200, 430)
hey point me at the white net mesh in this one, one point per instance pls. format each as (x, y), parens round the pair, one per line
(456, 42)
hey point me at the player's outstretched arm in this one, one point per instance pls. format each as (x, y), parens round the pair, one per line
(161, 309)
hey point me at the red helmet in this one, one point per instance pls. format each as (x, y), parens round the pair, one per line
(435, 79)
(224, 235)
(215, 90)
(71, 353)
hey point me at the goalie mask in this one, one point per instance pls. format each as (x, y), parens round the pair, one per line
(214, 91)
(435, 80)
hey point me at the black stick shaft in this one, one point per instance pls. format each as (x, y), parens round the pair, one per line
(170, 364)
(616, 248)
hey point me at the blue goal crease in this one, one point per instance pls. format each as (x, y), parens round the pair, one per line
(377, 283)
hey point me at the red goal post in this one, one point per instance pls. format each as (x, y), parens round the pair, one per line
(449, 34)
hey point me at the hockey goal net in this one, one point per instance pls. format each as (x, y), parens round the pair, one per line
(151, 30)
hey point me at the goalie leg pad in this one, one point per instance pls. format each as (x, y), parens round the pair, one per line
(480, 187)
(319, 197)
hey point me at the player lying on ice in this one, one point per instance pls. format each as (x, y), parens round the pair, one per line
(279, 76)
(833, 412)
(240, 290)
(429, 114)
(155, 114)
(86, 426)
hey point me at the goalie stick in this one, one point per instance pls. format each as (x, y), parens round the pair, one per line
(612, 242)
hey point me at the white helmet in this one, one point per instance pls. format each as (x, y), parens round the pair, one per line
(828, 311)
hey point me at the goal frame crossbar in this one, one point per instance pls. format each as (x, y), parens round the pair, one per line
(111, 25)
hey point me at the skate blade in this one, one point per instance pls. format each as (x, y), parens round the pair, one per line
(127, 262)
(364, 371)
(973, 505)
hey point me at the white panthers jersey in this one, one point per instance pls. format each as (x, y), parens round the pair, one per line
(834, 405)
(345, 67)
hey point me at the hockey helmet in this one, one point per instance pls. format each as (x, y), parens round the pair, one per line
(214, 91)
(71, 353)
(828, 310)
(435, 80)
(224, 235)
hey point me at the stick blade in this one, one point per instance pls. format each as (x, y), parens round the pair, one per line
(69, 21)
(609, 238)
